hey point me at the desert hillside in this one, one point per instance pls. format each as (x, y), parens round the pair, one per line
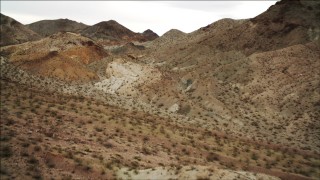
(236, 99)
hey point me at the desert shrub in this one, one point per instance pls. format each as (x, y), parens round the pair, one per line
(185, 151)
(25, 144)
(146, 151)
(4, 138)
(212, 157)
(50, 163)
(24, 153)
(37, 148)
(108, 165)
(33, 160)
(69, 155)
(98, 129)
(184, 110)
(203, 178)
(135, 164)
(145, 139)
(254, 156)
(5, 151)
(3, 170)
(108, 145)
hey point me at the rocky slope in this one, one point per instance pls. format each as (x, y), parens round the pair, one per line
(284, 24)
(13, 32)
(123, 76)
(50, 27)
(62, 55)
(217, 73)
(276, 28)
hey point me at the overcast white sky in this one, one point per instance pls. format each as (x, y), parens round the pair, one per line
(159, 16)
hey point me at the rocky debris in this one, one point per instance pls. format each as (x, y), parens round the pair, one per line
(124, 76)
(13, 32)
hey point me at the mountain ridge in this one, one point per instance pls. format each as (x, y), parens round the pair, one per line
(108, 32)
(113, 32)
(49, 27)
(13, 32)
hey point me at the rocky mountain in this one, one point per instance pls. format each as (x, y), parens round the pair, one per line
(50, 27)
(149, 35)
(111, 32)
(280, 26)
(170, 37)
(106, 32)
(13, 32)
